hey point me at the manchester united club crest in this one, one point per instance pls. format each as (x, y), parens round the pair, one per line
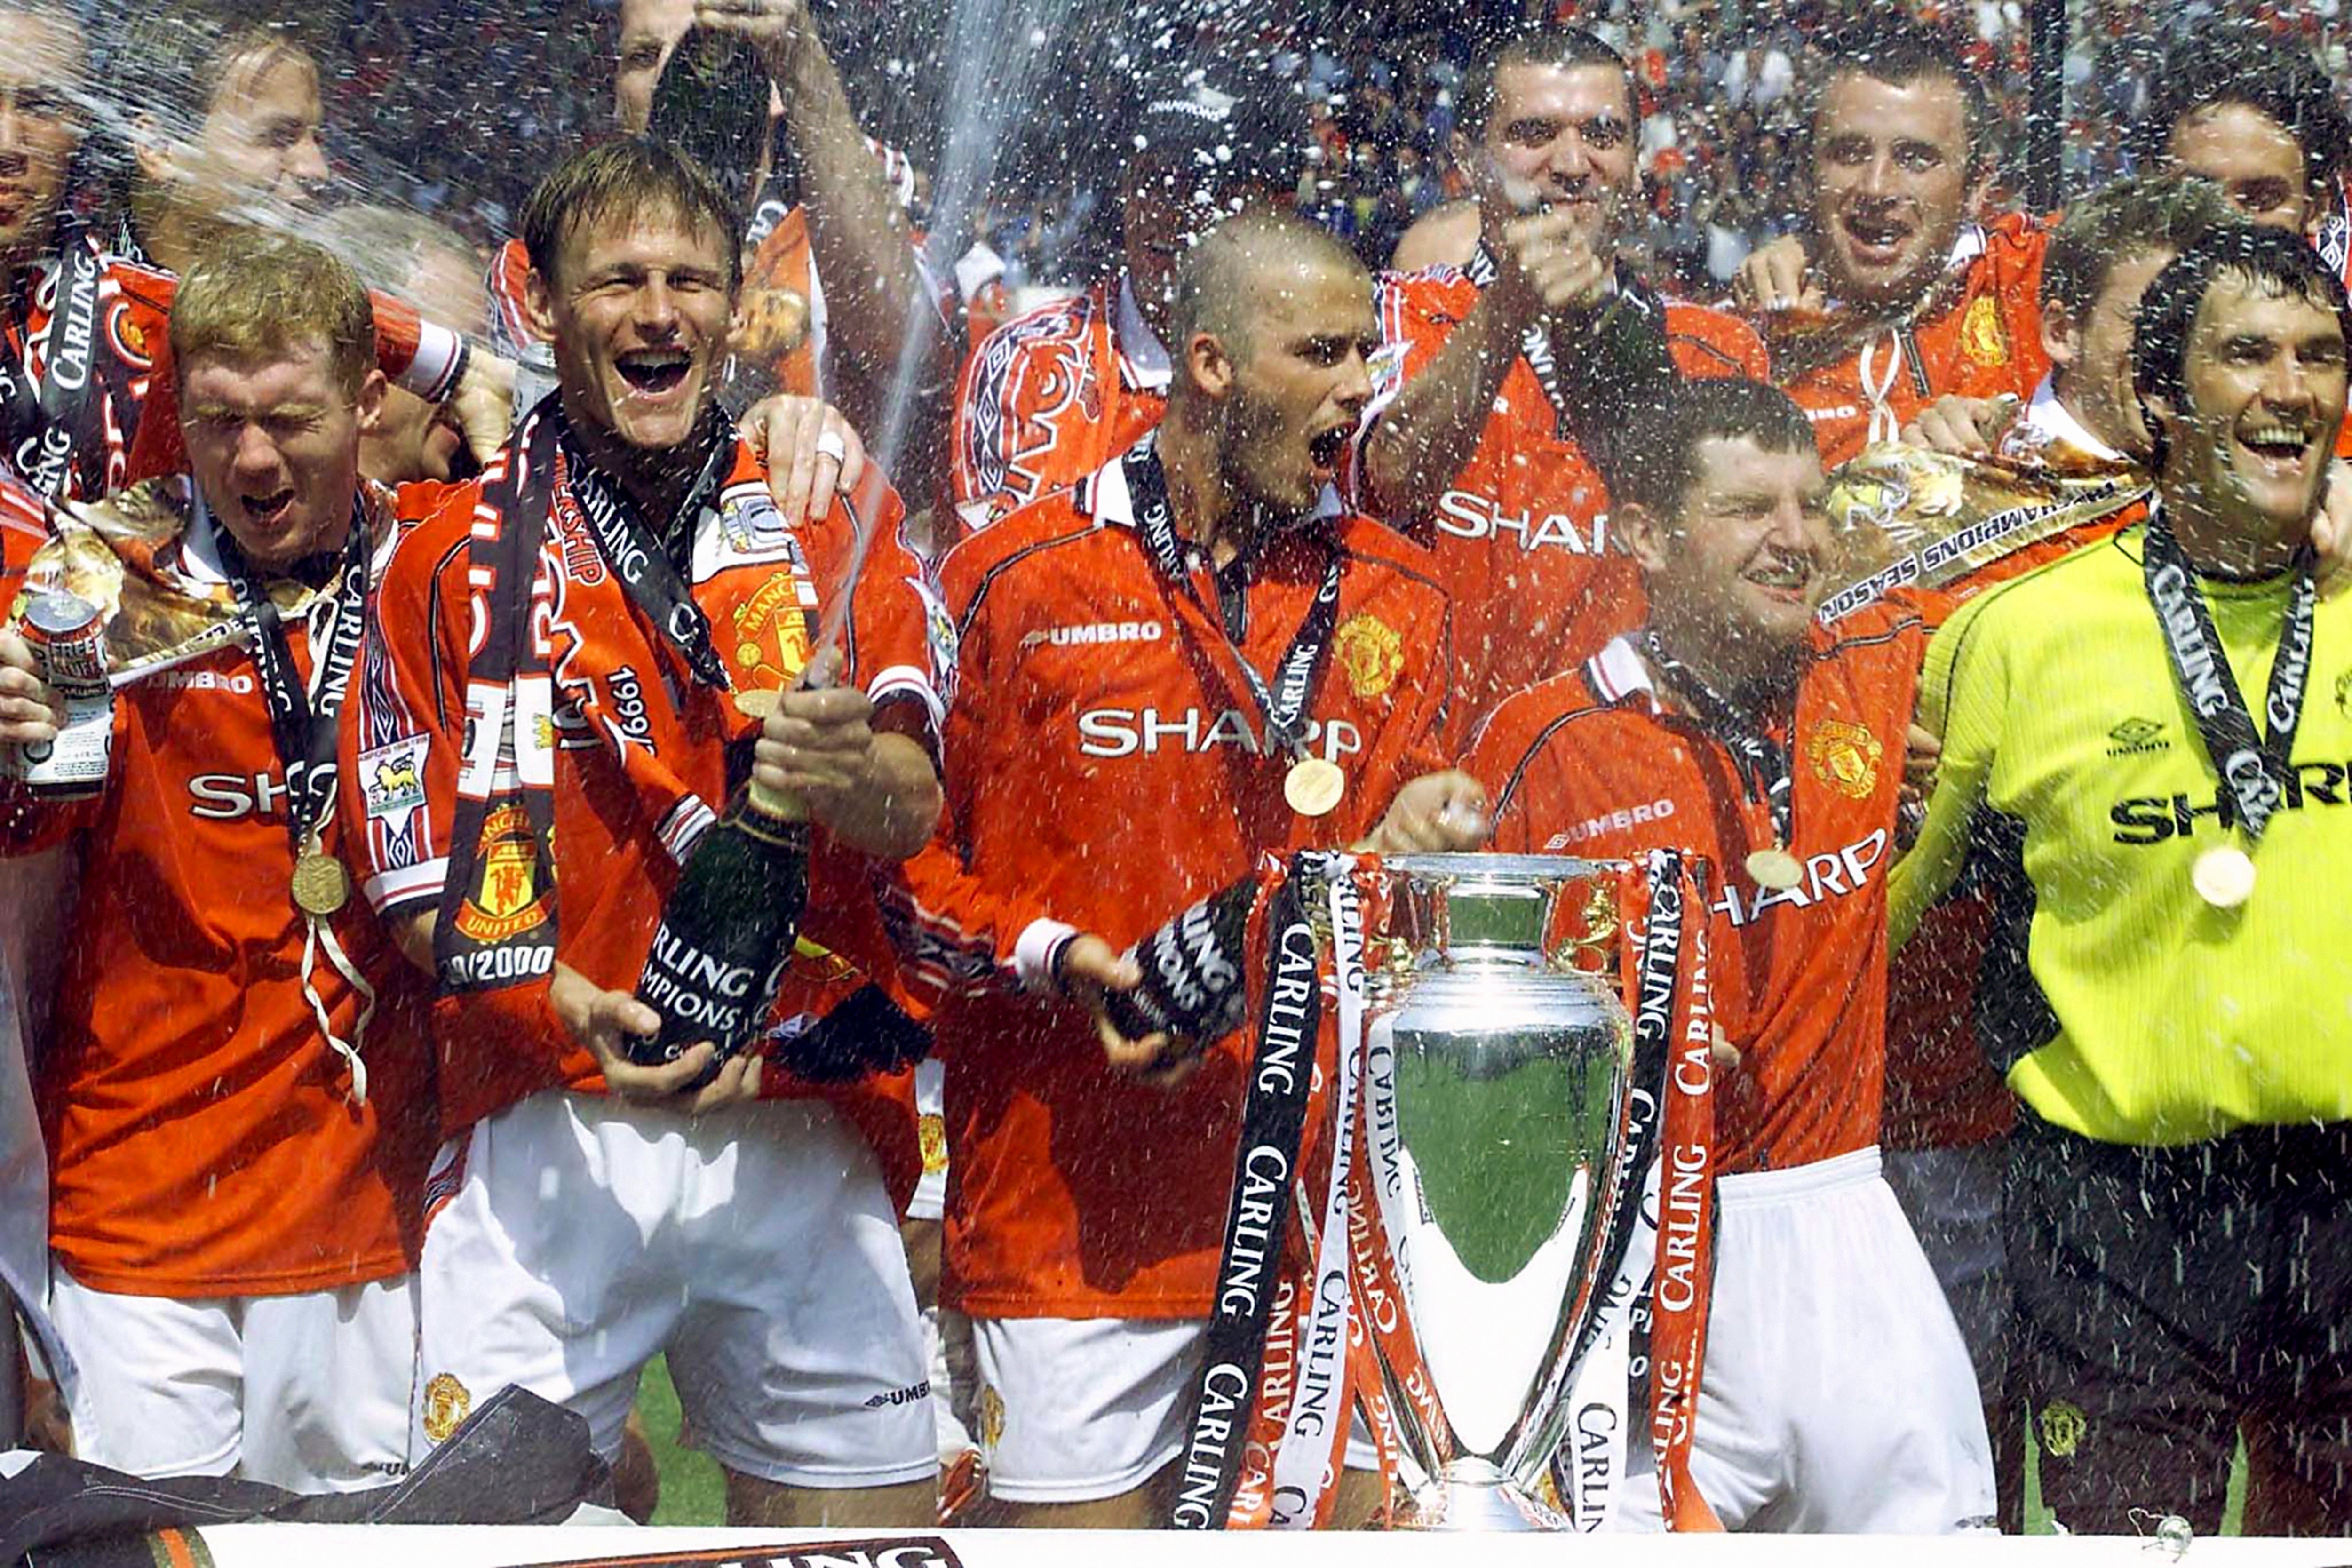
(771, 632)
(129, 336)
(1982, 337)
(446, 1402)
(932, 1131)
(505, 899)
(2063, 1427)
(1371, 653)
(1844, 757)
(991, 1419)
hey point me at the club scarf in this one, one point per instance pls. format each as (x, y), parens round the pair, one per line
(581, 596)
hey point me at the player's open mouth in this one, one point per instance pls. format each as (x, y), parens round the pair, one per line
(267, 509)
(1784, 576)
(1324, 450)
(2278, 449)
(1876, 236)
(655, 371)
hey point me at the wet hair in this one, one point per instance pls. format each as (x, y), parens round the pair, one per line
(1216, 288)
(1661, 451)
(1898, 52)
(2129, 218)
(620, 179)
(256, 296)
(2225, 65)
(2269, 260)
(1561, 48)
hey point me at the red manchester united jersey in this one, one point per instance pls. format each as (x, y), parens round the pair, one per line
(1979, 335)
(1107, 766)
(203, 1134)
(1591, 764)
(614, 860)
(1051, 397)
(1521, 533)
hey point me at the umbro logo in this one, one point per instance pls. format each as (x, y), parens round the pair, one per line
(2136, 736)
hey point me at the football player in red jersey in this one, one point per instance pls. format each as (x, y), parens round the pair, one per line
(1734, 725)
(1897, 295)
(1130, 706)
(234, 1091)
(691, 1217)
(1504, 383)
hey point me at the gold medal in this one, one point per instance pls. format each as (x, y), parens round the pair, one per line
(1776, 869)
(759, 703)
(2224, 878)
(1314, 786)
(321, 887)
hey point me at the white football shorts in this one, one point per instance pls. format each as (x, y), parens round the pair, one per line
(308, 1392)
(1836, 1396)
(1079, 1409)
(571, 1238)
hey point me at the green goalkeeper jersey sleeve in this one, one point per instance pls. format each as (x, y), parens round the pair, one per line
(2118, 1002)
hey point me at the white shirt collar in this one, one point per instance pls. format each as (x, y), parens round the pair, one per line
(2049, 422)
(1617, 671)
(1145, 356)
(1113, 503)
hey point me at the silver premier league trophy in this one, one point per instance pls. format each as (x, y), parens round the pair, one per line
(1499, 1075)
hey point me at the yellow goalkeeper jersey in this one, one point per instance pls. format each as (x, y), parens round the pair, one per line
(2118, 1002)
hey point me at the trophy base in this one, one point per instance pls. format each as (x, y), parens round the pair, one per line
(1475, 1497)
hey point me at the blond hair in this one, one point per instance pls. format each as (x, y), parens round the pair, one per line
(260, 295)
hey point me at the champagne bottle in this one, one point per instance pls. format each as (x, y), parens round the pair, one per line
(1193, 984)
(728, 930)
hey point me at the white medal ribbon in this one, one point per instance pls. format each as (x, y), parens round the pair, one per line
(1884, 424)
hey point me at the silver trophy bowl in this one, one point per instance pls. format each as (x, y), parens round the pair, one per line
(1499, 1066)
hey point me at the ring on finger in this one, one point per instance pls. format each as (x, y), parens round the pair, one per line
(830, 445)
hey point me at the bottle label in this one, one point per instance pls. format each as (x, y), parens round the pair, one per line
(75, 764)
(705, 996)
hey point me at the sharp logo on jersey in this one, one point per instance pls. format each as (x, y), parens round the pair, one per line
(392, 778)
(1618, 821)
(2152, 820)
(504, 902)
(2134, 737)
(1468, 516)
(1983, 336)
(1838, 875)
(1125, 732)
(1845, 757)
(771, 632)
(1371, 653)
(903, 1551)
(228, 797)
(1095, 632)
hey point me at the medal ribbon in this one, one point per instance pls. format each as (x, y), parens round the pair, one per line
(42, 430)
(1763, 763)
(637, 558)
(1258, 1214)
(1283, 707)
(2253, 767)
(302, 723)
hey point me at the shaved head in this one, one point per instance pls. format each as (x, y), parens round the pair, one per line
(1244, 267)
